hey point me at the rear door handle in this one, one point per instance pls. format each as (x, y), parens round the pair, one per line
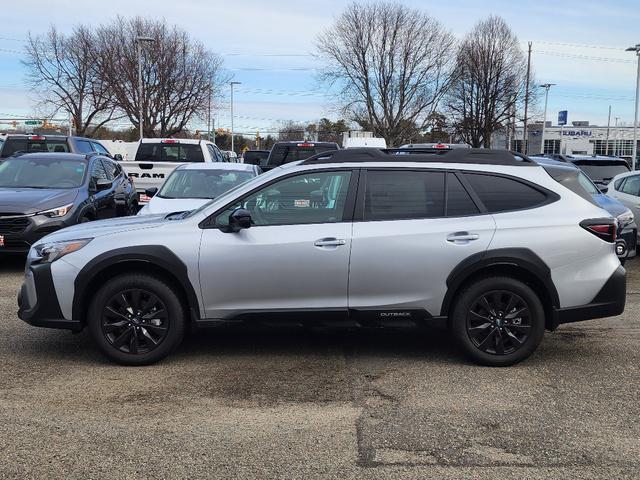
(462, 237)
(329, 242)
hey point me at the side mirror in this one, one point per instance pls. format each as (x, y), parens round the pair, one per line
(103, 185)
(239, 219)
(150, 192)
(117, 157)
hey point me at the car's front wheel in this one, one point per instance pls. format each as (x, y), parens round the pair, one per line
(136, 319)
(498, 321)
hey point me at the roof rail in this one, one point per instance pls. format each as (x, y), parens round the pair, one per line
(463, 155)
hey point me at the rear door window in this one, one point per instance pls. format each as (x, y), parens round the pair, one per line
(402, 195)
(459, 202)
(502, 194)
(169, 152)
(99, 148)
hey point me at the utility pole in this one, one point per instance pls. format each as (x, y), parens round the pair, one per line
(209, 114)
(546, 86)
(232, 142)
(615, 140)
(608, 128)
(139, 41)
(526, 103)
(635, 49)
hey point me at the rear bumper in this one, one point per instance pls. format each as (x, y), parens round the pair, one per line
(37, 301)
(609, 302)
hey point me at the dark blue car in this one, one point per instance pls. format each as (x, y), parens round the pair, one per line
(577, 181)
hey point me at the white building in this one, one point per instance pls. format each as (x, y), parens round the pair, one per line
(579, 138)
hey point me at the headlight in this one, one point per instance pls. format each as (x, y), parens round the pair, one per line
(626, 217)
(52, 251)
(56, 212)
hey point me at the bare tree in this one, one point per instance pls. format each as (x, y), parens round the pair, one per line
(489, 81)
(391, 64)
(62, 71)
(179, 74)
(292, 131)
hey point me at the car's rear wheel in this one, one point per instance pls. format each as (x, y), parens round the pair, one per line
(498, 321)
(136, 319)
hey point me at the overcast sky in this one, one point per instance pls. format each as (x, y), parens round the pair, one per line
(266, 45)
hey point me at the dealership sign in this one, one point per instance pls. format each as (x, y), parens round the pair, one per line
(576, 133)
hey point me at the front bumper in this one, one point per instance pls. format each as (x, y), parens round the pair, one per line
(37, 301)
(35, 227)
(609, 302)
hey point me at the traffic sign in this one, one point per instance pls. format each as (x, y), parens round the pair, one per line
(33, 122)
(562, 117)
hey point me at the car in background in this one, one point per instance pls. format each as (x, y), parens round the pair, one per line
(599, 168)
(287, 152)
(44, 192)
(230, 156)
(191, 186)
(437, 146)
(255, 157)
(577, 181)
(625, 188)
(18, 144)
(156, 158)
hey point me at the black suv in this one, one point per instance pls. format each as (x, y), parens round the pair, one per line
(17, 144)
(599, 168)
(44, 192)
(286, 152)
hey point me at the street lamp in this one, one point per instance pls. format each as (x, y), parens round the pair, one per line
(232, 84)
(635, 49)
(546, 86)
(139, 41)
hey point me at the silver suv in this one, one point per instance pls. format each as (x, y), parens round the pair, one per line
(357, 237)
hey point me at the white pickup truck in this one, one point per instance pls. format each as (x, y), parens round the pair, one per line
(156, 158)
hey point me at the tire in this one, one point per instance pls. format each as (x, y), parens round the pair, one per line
(141, 338)
(84, 219)
(503, 330)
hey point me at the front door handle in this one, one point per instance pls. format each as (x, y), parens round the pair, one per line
(462, 237)
(329, 242)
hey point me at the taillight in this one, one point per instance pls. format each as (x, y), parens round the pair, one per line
(604, 228)
(37, 138)
(305, 145)
(169, 141)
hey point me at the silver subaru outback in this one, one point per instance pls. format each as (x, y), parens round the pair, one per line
(487, 240)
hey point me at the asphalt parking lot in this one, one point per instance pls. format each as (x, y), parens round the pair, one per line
(288, 404)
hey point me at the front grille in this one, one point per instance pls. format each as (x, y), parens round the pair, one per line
(10, 224)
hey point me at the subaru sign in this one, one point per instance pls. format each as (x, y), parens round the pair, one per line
(562, 117)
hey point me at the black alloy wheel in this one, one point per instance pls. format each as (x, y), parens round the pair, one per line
(499, 322)
(135, 321)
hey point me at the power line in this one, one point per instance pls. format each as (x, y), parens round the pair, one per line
(583, 57)
(581, 45)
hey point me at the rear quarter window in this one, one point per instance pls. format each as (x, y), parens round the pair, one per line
(503, 194)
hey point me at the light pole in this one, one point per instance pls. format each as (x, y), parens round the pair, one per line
(139, 41)
(546, 86)
(635, 49)
(232, 142)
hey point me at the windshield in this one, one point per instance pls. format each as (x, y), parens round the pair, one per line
(24, 144)
(291, 153)
(202, 183)
(602, 172)
(169, 152)
(229, 194)
(21, 172)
